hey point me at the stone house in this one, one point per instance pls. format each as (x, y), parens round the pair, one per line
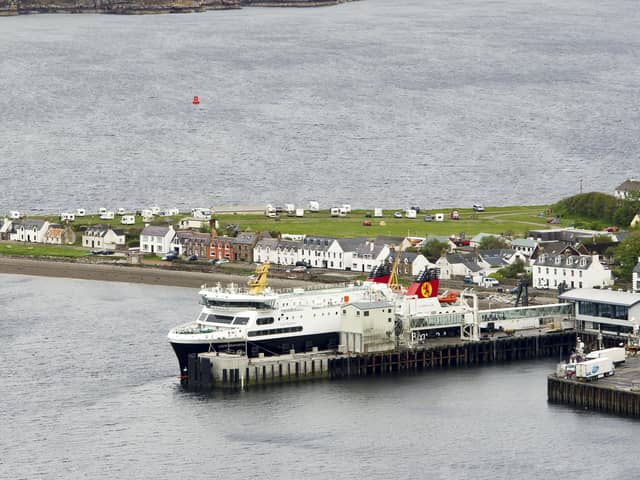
(243, 245)
(55, 235)
(628, 187)
(187, 243)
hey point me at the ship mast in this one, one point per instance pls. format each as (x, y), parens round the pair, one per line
(258, 282)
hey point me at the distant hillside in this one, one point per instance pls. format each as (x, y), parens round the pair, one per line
(19, 7)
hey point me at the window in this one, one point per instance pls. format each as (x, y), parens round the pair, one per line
(241, 320)
(366, 313)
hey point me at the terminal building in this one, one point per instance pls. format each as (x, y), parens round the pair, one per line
(604, 311)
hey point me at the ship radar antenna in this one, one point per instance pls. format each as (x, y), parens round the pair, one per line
(258, 282)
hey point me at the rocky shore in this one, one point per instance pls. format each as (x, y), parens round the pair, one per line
(140, 7)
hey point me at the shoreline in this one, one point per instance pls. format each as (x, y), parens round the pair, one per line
(126, 273)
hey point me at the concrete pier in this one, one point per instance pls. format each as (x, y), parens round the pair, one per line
(212, 370)
(618, 394)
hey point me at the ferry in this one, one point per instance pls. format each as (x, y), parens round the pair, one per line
(258, 320)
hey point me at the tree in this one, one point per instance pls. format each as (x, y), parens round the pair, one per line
(493, 243)
(433, 249)
(627, 254)
(514, 270)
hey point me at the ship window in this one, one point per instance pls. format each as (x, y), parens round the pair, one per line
(241, 320)
(264, 321)
(219, 318)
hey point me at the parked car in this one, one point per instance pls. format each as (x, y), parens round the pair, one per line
(192, 258)
(301, 263)
(221, 261)
(478, 208)
(299, 269)
(366, 223)
(468, 279)
(428, 218)
(397, 215)
(455, 215)
(170, 257)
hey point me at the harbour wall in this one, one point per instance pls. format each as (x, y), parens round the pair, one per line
(210, 370)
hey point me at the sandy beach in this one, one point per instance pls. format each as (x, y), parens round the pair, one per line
(125, 273)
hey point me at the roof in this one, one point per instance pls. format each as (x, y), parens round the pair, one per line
(636, 269)
(354, 244)
(629, 185)
(155, 231)
(524, 242)
(613, 297)
(404, 256)
(496, 258)
(581, 262)
(554, 248)
(55, 232)
(28, 224)
(185, 235)
(466, 260)
(246, 238)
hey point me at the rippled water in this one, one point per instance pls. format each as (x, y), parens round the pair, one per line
(89, 390)
(376, 103)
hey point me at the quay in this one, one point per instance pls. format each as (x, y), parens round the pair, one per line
(618, 394)
(225, 371)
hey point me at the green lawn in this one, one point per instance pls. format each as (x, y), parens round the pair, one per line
(38, 250)
(516, 220)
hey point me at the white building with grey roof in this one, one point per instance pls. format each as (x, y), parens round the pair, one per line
(33, 231)
(604, 311)
(575, 271)
(635, 277)
(156, 239)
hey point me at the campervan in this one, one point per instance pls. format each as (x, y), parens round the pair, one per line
(65, 216)
(290, 208)
(438, 217)
(201, 213)
(347, 208)
(81, 212)
(121, 211)
(155, 210)
(314, 206)
(410, 213)
(14, 215)
(270, 211)
(102, 210)
(299, 212)
(335, 211)
(128, 220)
(107, 216)
(377, 212)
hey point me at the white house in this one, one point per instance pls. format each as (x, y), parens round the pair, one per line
(524, 245)
(322, 252)
(101, 236)
(575, 271)
(5, 228)
(457, 264)
(29, 231)
(265, 250)
(628, 187)
(362, 254)
(635, 283)
(156, 240)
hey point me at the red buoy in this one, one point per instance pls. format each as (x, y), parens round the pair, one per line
(196, 100)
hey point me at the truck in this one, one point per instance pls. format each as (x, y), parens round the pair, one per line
(594, 369)
(616, 354)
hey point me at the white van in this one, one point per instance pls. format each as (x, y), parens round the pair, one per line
(438, 217)
(489, 282)
(335, 211)
(314, 206)
(81, 212)
(410, 213)
(121, 211)
(377, 212)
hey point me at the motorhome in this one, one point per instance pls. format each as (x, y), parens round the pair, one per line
(438, 217)
(410, 213)
(102, 210)
(201, 213)
(14, 215)
(299, 212)
(66, 216)
(270, 211)
(107, 216)
(81, 212)
(121, 211)
(128, 220)
(347, 208)
(314, 206)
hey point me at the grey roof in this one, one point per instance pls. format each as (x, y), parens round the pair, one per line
(185, 235)
(626, 299)
(246, 238)
(467, 260)
(397, 241)
(629, 185)
(155, 231)
(267, 242)
(404, 256)
(581, 262)
(636, 269)
(497, 257)
(554, 248)
(317, 243)
(524, 242)
(290, 244)
(118, 231)
(352, 244)
(28, 224)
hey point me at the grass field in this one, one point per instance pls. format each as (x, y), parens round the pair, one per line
(516, 220)
(38, 250)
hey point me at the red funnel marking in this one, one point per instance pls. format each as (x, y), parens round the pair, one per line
(426, 289)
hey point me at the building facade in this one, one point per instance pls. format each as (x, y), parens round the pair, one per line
(574, 271)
